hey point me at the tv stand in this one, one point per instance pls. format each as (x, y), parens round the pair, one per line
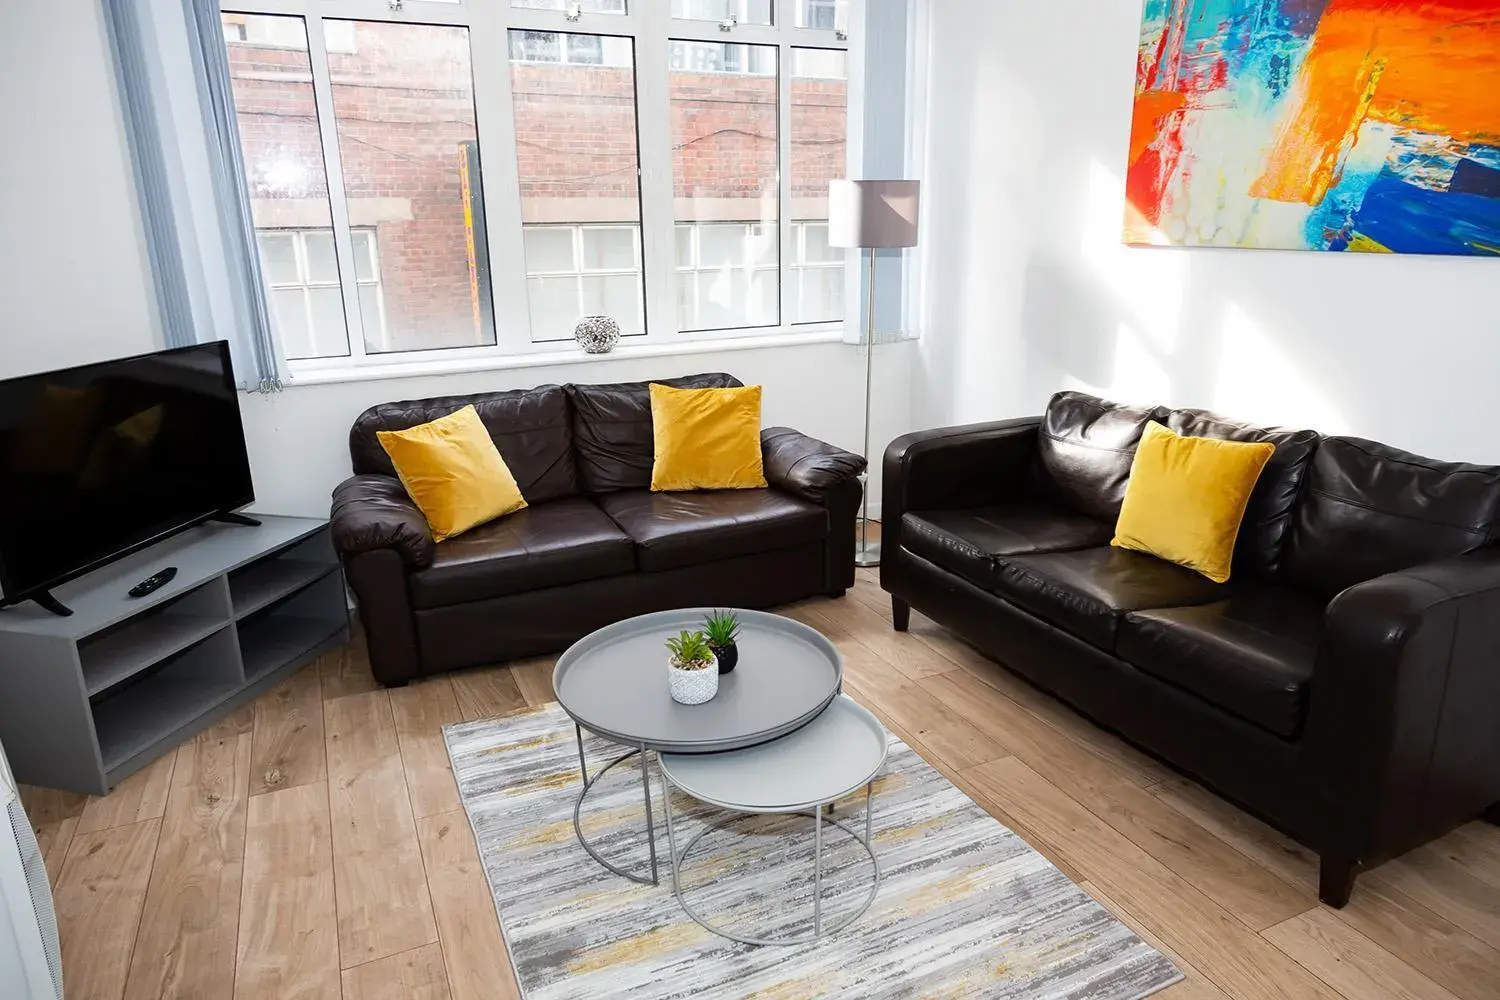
(233, 517)
(47, 602)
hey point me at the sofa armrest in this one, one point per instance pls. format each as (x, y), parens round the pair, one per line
(951, 467)
(1405, 702)
(805, 466)
(374, 512)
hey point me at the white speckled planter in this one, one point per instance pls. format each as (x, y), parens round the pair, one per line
(692, 687)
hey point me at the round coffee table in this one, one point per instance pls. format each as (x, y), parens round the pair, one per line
(822, 762)
(613, 683)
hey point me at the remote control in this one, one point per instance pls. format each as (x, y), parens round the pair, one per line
(153, 582)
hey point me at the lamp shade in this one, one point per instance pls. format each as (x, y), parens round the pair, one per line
(872, 214)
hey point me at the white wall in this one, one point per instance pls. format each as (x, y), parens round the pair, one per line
(1029, 289)
(73, 280)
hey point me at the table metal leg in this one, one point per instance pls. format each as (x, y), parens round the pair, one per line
(869, 807)
(666, 794)
(818, 872)
(583, 768)
(650, 826)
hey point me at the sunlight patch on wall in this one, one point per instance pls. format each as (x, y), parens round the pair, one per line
(1261, 382)
(1149, 286)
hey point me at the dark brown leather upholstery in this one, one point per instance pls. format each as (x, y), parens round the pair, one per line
(969, 541)
(1088, 591)
(612, 439)
(1251, 654)
(1268, 516)
(545, 545)
(537, 580)
(684, 529)
(1371, 509)
(1084, 449)
(530, 427)
(1362, 726)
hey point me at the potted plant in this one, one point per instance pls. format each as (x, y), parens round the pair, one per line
(721, 629)
(691, 677)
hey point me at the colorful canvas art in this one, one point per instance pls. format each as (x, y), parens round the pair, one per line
(1365, 125)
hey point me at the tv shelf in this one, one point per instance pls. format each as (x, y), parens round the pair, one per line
(86, 701)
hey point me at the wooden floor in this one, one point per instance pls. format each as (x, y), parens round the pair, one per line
(313, 845)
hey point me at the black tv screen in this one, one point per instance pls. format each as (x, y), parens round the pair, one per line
(99, 460)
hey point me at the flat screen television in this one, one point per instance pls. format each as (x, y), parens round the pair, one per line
(100, 460)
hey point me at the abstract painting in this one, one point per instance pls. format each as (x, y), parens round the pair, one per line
(1363, 125)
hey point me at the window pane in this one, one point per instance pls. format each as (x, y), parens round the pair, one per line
(271, 75)
(369, 306)
(578, 165)
(322, 265)
(588, 6)
(365, 265)
(549, 248)
(820, 294)
(616, 295)
(555, 307)
(829, 15)
(609, 249)
(278, 258)
(684, 235)
(744, 11)
(820, 127)
(724, 140)
(404, 105)
(327, 308)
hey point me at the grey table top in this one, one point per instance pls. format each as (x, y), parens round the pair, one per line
(831, 756)
(614, 682)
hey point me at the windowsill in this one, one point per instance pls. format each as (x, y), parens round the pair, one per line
(370, 372)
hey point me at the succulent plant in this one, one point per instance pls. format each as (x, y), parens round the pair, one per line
(721, 629)
(690, 651)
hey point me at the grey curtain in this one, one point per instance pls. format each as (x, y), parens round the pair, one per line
(255, 353)
(140, 34)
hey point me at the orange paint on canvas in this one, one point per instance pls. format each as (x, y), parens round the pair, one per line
(1410, 63)
(1151, 107)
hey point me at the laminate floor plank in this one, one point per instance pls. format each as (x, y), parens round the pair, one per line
(346, 670)
(1194, 986)
(288, 729)
(288, 934)
(1446, 887)
(189, 928)
(236, 723)
(412, 975)
(98, 902)
(474, 952)
(1208, 937)
(380, 885)
(139, 797)
(534, 679)
(487, 692)
(1350, 962)
(899, 649)
(421, 710)
(1235, 882)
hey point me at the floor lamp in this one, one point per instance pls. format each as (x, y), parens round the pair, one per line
(871, 215)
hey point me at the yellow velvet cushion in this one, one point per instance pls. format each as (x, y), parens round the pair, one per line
(1187, 497)
(453, 472)
(706, 439)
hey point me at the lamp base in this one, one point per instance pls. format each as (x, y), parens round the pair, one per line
(866, 554)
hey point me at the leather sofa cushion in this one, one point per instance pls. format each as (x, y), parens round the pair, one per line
(1369, 509)
(530, 427)
(613, 443)
(1084, 449)
(685, 529)
(1251, 655)
(1085, 592)
(1268, 516)
(545, 545)
(968, 542)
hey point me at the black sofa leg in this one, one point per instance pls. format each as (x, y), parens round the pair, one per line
(1336, 880)
(900, 614)
(1492, 814)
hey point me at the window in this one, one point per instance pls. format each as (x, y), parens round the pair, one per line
(413, 199)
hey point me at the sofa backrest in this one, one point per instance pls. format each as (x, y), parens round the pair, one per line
(531, 428)
(1085, 446)
(1368, 509)
(612, 435)
(1268, 516)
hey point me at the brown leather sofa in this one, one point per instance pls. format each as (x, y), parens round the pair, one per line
(1344, 684)
(595, 545)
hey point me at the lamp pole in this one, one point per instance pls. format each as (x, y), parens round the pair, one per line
(868, 554)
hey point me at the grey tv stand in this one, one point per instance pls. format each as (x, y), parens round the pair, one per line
(87, 700)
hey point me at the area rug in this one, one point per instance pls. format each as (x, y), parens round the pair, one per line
(965, 909)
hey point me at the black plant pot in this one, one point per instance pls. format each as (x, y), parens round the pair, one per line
(727, 656)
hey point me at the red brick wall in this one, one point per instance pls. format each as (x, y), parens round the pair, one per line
(404, 105)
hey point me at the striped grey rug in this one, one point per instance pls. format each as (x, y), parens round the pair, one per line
(966, 908)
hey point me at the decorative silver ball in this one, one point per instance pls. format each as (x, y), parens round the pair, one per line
(597, 334)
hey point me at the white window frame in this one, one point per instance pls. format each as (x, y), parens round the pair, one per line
(651, 27)
(580, 270)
